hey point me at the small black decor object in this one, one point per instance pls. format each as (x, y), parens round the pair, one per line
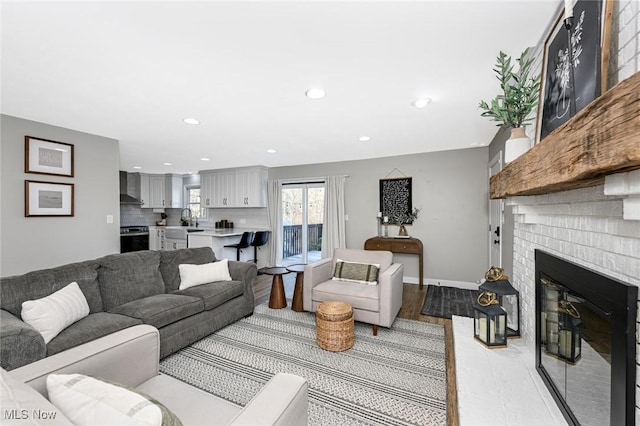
(508, 297)
(489, 321)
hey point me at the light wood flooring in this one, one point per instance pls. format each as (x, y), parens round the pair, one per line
(412, 300)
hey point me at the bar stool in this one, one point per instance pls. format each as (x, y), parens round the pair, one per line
(245, 241)
(261, 238)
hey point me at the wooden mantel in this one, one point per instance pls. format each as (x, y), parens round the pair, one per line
(601, 139)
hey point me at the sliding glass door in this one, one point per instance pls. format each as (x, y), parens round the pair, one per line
(302, 219)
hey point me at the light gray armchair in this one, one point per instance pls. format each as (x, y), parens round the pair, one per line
(130, 357)
(374, 304)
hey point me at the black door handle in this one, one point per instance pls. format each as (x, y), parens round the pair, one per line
(497, 231)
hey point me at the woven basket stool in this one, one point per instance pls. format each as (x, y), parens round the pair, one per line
(334, 326)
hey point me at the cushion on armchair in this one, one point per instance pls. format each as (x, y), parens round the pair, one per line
(365, 273)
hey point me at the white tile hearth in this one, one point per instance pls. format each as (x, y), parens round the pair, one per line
(499, 386)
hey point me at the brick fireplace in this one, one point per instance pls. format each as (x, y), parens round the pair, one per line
(585, 226)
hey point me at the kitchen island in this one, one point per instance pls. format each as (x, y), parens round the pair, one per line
(217, 239)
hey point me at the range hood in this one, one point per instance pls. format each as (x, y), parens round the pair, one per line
(125, 198)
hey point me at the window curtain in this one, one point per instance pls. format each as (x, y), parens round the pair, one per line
(333, 230)
(274, 218)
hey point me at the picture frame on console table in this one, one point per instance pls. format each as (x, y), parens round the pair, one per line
(47, 157)
(590, 39)
(47, 199)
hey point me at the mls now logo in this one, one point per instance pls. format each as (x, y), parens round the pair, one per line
(15, 414)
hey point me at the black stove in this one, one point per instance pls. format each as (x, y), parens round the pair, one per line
(126, 230)
(134, 238)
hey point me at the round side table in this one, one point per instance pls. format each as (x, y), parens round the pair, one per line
(277, 299)
(296, 304)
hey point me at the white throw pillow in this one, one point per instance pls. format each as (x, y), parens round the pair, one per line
(88, 401)
(192, 275)
(52, 314)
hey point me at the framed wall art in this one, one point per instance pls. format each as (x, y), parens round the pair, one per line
(48, 198)
(587, 71)
(395, 199)
(47, 157)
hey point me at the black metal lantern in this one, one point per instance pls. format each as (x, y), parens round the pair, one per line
(490, 321)
(569, 341)
(508, 297)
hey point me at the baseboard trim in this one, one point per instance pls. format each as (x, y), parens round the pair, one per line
(443, 283)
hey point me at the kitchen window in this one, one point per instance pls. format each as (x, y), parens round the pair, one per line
(193, 203)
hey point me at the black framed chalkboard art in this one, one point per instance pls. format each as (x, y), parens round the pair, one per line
(395, 199)
(586, 36)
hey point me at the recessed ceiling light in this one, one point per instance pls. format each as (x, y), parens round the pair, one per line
(364, 138)
(205, 159)
(271, 151)
(137, 167)
(168, 164)
(421, 103)
(191, 120)
(315, 93)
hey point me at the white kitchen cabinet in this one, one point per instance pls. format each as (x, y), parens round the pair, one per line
(156, 239)
(217, 189)
(225, 189)
(157, 192)
(251, 187)
(207, 189)
(160, 191)
(174, 244)
(144, 195)
(173, 188)
(245, 187)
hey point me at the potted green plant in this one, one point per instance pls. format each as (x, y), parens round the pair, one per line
(519, 97)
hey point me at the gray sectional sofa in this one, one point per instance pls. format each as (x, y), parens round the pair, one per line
(124, 290)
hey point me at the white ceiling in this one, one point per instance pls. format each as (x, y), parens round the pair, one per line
(133, 70)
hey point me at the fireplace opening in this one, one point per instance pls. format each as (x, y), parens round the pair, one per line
(585, 341)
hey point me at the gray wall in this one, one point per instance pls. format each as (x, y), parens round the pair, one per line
(31, 243)
(450, 188)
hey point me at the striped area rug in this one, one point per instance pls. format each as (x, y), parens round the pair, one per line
(395, 378)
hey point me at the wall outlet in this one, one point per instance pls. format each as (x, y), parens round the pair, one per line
(242, 221)
(109, 218)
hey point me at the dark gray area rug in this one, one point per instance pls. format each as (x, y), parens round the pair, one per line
(443, 302)
(395, 378)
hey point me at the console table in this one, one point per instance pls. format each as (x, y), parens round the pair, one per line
(399, 245)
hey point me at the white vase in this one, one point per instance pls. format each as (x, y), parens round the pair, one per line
(516, 145)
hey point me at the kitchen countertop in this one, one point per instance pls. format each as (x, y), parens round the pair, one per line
(212, 232)
(226, 232)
